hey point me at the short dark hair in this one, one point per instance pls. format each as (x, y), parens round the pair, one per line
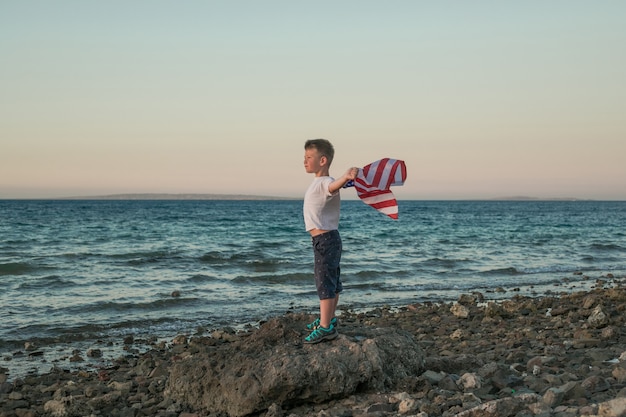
(323, 146)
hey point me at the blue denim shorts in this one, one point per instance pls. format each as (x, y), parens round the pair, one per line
(327, 250)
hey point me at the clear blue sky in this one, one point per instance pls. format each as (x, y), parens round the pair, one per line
(482, 99)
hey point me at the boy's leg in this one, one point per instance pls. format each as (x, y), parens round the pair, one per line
(328, 309)
(327, 249)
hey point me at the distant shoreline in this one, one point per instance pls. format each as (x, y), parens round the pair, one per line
(247, 197)
(524, 198)
(162, 196)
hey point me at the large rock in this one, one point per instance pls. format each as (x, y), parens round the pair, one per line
(273, 366)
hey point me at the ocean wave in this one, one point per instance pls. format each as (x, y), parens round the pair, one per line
(106, 307)
(201, 278)
(20, 268)
(214, 257)
(238, 257)
(600, 247)
(363, 286)
(47, 335)
(140, 257)
(549, 269)
(293, 277)
(469, 285)
(47, 282)
(382, 273)
(443, 263)
(509, 271)
(252, 261)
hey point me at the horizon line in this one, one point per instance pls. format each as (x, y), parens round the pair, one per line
(220, 196)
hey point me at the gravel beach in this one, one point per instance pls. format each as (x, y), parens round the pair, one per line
(560, 354)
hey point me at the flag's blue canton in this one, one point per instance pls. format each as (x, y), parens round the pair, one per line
(349, 184)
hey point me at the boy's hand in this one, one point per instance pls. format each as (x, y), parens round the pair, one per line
(352, 173)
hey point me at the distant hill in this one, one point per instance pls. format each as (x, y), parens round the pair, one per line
(150, 196)
(526, 198)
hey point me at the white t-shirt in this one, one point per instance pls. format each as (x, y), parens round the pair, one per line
(321, 208)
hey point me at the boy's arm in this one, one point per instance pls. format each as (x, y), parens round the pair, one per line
(341, 181)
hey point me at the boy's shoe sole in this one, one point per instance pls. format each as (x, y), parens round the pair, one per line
(315, 324)
(320, 334)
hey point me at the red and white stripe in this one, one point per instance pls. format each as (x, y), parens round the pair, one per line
(374, 180)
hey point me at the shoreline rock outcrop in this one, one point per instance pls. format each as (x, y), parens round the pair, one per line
(273, 366)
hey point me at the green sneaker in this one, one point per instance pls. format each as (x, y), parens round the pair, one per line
(315, 324)
(320, 334)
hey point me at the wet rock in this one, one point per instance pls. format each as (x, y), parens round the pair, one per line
(380, 408)
(242, 381)
(504, 407)
(613, 408)
(55, 408)
(460, 311)
(598, 318)
(226, 334)
(180, 340)
(469, 382)
(433, 377)
(94, 353)
(619, 374)
(449, 383)
(454, 363)
(553, 397)
(595, 383)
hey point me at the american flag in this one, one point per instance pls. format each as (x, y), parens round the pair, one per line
(373, 182)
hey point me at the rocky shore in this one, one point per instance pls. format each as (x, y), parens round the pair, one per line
(555, 355)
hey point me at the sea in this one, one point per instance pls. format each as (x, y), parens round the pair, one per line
(77, 275)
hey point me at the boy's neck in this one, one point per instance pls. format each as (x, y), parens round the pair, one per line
(322, 173)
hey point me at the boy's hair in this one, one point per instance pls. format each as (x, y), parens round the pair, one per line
(324, 147)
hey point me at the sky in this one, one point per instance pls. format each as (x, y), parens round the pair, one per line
(481, 99)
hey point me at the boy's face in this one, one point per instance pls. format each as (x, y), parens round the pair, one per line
(313, 161)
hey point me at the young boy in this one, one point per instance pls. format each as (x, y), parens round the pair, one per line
(321, 219)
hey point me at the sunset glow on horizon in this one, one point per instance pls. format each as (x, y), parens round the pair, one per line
(480, 99)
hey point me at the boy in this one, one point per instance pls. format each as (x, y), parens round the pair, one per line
(321, 219)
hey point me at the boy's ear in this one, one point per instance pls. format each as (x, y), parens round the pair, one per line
(323, 160)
